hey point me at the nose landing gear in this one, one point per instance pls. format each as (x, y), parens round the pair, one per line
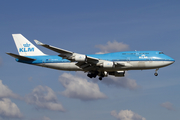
(156, 72)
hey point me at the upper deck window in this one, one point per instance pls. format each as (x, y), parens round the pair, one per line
(161, 53)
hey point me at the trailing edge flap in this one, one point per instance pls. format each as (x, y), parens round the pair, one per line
(119, 64)
(20, 57)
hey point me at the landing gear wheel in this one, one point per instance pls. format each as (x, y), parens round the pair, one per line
(156, 74)
(92, 74)
(89, 75)
(100, 78)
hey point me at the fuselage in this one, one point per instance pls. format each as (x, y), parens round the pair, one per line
(131, 60)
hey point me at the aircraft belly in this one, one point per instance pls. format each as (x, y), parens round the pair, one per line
(62, 66)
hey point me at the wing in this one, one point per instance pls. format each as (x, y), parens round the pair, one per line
(69, 55)
(61, 51)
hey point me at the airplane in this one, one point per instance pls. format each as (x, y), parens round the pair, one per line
(101, 65)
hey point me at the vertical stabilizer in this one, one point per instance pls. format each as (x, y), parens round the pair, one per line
(25, 47)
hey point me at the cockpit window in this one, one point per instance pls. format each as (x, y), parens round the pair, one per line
(161, 53)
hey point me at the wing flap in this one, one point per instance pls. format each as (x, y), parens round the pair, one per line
(92, 59)
(119, 64)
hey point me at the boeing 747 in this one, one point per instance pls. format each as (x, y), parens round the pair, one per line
(94, 65)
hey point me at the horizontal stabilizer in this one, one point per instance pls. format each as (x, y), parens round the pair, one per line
(20, 57)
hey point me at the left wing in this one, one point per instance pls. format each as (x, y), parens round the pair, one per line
(69, 55)
(61, 51)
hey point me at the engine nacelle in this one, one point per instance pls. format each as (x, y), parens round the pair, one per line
(117, 73)
(80, 58)
(108, 64)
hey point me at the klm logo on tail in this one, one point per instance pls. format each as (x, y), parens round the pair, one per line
(26, 48)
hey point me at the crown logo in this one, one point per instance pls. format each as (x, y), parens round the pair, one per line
(26, 45)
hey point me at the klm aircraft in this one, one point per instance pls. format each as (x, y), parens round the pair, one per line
(100, 65)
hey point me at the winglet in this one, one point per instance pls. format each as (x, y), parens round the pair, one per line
(38, 42)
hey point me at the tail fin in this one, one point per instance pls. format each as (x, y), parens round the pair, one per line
(25, 47)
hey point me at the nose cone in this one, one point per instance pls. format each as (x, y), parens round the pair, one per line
(170, 60)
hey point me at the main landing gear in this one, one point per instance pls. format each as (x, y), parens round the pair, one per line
(96, 73)
(100, 78)
(103, 74)
(92, 74)
(156, 72)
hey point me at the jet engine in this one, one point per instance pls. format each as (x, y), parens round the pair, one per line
(108, 64)
(117, 73)
(80, 58)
